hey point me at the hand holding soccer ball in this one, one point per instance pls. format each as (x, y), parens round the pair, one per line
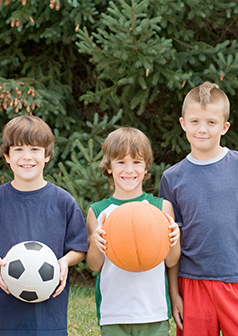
(2, 283)
(31, 272)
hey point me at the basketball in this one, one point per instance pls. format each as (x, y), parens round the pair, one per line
(32, 271)
(137, 236)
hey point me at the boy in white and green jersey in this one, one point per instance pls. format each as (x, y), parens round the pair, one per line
(129, 303)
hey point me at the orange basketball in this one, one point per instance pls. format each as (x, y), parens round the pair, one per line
(137, 236)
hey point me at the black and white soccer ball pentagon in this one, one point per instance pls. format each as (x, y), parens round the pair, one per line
(32, 271)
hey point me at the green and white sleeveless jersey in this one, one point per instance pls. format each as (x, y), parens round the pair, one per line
(124, 297)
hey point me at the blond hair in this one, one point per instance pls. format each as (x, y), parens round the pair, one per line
(27, 130)
(123, 141)
(207, 93)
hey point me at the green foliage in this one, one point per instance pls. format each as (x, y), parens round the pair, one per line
(149, 54)
(38, 63)
(88, 67)
(81, 175)
(129, 53)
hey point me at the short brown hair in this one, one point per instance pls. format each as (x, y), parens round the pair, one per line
(207, 93)
(123, 141)
(27, 130)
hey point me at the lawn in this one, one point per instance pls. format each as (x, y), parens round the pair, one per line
(82, 319)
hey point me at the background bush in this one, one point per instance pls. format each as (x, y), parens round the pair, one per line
(88, 67)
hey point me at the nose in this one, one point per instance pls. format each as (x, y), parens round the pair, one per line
(27, 154)
(202, 129)
(129, 167)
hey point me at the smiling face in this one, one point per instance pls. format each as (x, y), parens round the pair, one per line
(128, 174)
(27, 163)
(204, 127)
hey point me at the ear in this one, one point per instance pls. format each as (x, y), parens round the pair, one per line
(47, 159)
(7, 158)
(225, 128)
(182, 123)
(109, 171)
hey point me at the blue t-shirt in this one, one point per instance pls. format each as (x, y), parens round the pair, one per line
(204, 195)
(49, 215)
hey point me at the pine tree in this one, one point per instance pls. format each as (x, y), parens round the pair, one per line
(148, 54)
(38, 63)
(81, 175)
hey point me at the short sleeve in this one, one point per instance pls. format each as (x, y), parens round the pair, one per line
(167, 194)
(76, 232)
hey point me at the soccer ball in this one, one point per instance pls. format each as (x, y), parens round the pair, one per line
(32, 271)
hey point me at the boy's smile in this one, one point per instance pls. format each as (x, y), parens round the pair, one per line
(204, 127)
(128, 174)
(128, 179)
(27, 164)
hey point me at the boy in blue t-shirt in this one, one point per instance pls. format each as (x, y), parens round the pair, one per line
(34, 209)
(203, 190)
(129, 303)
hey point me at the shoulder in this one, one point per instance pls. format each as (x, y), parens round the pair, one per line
(99, 206)
(60, 197)
(156, 201)
(4, 186)
(229, 163)
(6, 191)
(232, 154)
(60, 192)
(168, 208)
(177, 167)
(160, 203)
(102, 203)
(176, 172)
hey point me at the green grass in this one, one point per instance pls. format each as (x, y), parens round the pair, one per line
(82, 319)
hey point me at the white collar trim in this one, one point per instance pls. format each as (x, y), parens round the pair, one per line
(206, 162)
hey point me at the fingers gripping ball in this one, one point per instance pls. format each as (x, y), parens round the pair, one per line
(32, 271)
(137, 235)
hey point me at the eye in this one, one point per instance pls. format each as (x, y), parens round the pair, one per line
(35, 149)
(211, 122)
(17, 149)
(138, 160)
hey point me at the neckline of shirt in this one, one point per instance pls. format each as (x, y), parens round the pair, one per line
(206, 162)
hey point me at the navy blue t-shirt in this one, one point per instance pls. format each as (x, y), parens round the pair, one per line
(49, 215)
(204, 195)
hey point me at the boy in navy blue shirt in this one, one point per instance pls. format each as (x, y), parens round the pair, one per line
(34, 209)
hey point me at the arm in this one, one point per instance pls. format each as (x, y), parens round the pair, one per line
(96, 243)
(69, 259)
(172, 263)
(176, 299)
(172, 272)
(175, 250)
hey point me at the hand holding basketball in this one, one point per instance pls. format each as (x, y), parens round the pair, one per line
(137, 235)
(98, 233)
(175, 234)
